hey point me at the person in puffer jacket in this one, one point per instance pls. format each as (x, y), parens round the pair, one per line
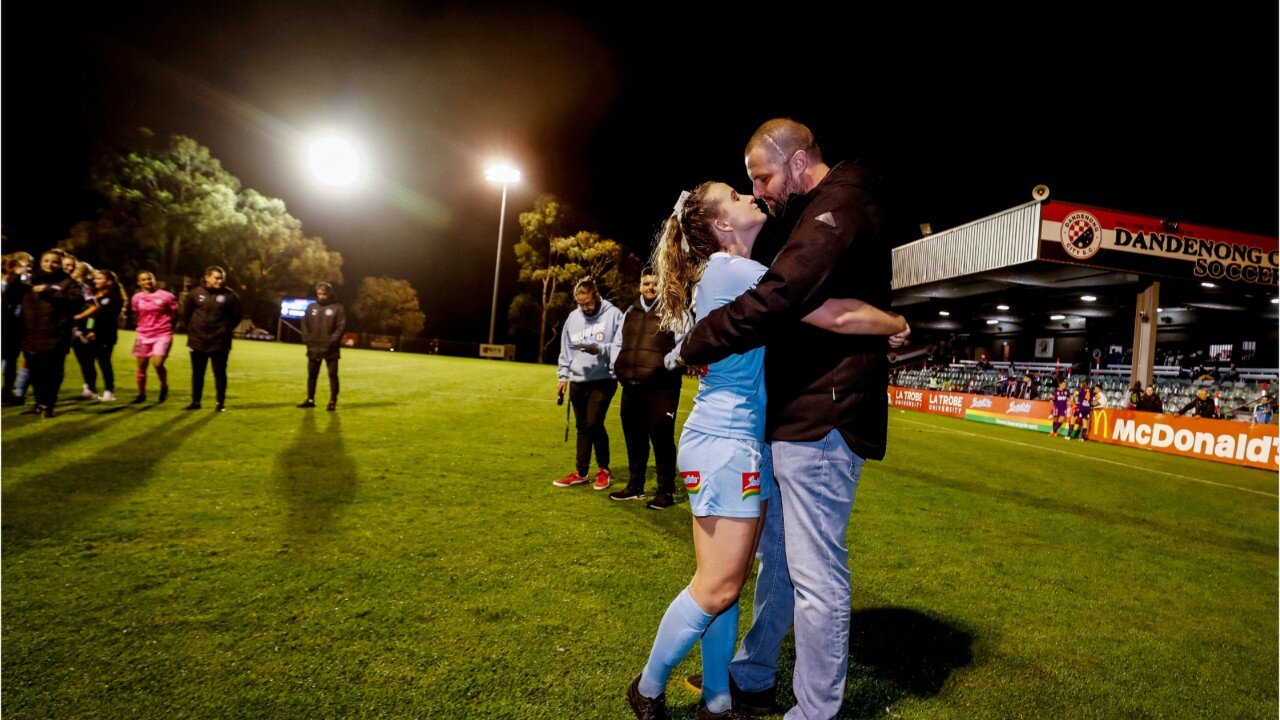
(585, 370)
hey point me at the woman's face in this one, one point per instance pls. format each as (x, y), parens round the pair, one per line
(147, 281)
(68, 265)
(50, 263)
(740, 212)
(101, 281)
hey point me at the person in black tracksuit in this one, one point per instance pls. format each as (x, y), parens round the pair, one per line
(49, 306)
(322, 329)
(97, 326)
(17, 270)
(646, 365)
(211, 312)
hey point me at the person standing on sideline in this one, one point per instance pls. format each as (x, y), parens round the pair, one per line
(212, 312)
(17, 270)
(155, 310)
(827, 411)
(647, 366)
(585, 370)
(322, 329)
(49, 307)
(101, 329)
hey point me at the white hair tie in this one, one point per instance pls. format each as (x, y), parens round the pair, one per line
(678, 210)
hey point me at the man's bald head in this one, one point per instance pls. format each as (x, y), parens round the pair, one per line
(783, 137)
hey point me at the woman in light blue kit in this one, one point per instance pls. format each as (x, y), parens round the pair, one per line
(723, 459)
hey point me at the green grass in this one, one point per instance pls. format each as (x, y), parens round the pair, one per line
(407, 557)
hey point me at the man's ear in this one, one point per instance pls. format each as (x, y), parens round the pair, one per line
(798, 163)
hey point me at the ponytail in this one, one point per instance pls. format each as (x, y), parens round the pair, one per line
(686, 242)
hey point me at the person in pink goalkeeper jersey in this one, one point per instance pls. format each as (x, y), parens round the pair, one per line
(155, 310)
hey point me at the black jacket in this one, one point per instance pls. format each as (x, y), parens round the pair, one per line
(644, 348)
(211, 316)
(817, 381)
(1204, 408)
(322, 329)
(49, 315)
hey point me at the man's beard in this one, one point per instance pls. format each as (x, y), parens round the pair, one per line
(790, 188)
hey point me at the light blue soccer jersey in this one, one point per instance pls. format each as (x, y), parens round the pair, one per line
(731, 398)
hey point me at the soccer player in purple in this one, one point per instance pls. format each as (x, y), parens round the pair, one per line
(1084, 410)
(1058, 413)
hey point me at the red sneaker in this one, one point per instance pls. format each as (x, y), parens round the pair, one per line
(570, 480)
(603, 478)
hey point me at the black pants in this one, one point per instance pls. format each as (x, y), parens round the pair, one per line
(87, 355)
(198, 362)
(11, 355)
(649, 415)
(590, 402)
(313, 372)
(47, 369)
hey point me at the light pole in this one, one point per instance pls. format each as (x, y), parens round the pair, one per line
(505, 174)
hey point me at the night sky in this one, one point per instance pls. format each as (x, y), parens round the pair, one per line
(616, 108)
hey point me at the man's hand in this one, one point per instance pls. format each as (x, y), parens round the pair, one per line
(900, 339)
(591, 349)
(560, 387)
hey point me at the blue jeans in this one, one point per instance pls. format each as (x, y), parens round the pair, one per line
(804, 576)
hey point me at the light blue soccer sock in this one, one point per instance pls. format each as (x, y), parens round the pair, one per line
(717, 650)
(681, 626)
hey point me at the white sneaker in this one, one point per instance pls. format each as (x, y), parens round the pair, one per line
(107, 396)
(86, 393)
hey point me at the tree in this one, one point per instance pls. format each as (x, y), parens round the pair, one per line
(171, 207)
(552, 261)
(169, 195)
(388, 305)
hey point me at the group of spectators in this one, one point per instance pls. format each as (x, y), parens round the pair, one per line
(64, 305)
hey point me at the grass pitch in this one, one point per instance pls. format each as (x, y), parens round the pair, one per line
(407, 557)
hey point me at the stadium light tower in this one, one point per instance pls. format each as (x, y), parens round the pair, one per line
(505, 174)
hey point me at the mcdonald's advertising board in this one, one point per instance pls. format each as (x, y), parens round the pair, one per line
(1218, 440)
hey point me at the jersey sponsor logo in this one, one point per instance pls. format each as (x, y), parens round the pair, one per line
(1081, 235)
(692, 481)
(750, 484)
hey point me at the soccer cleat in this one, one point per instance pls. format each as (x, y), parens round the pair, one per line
(570, 480)
(660, 501)
(308, 403)
(164, 393)
(107, 396)
(646, 708)
(746, 704)
(627, 494)
(603, 478)
(195, 405)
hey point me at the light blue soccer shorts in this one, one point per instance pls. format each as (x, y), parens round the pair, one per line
(725, 477)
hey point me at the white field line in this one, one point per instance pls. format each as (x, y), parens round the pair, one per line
(1090, 457)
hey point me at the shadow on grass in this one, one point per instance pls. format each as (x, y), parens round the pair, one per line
(53, 502)
(51, 435)
(895, 653)
(317, 479)
(1098, 514)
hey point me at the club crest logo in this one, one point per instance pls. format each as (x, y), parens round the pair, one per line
(220, 298)
(1081, 235)
(692, 481)
(328, 312)
(750, 484)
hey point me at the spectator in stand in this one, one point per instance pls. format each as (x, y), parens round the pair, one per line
(1003, 387)
(984, 363)
(1099, 397)
(1201, 405)
(1262, 411)
(1149, 401)
(1135, 395)
(1231, 374)
(1027, 388)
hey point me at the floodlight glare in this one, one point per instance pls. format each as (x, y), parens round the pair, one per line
(993, 322)
(1002, 307)
(334, 161)
(944, 313)
(1057, 317)
(1088, 298)
(502, 173)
